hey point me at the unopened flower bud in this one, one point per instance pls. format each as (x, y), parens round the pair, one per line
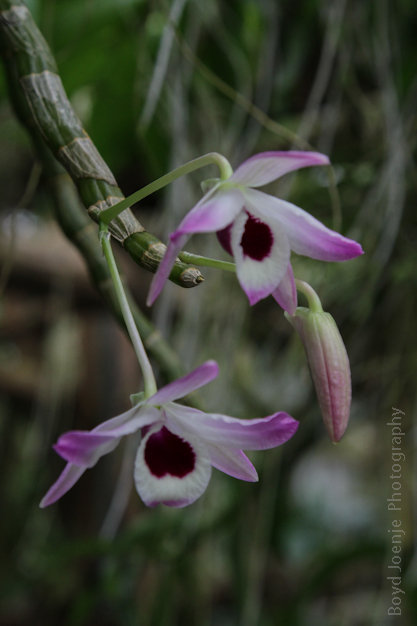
(328, 361)
(207, 185)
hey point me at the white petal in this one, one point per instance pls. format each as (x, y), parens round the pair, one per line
(165, 266)
(202, 375)
(265, 167)
(232, 462)
(86, 447)
(67, 479)
(241, 434)
(171, 470)
(261, 251)
(215, 213)
(306, 234)
(286, 293)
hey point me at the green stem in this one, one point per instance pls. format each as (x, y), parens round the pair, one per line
(148, 375)
(196, 259)
(223, 164)
(313, 299)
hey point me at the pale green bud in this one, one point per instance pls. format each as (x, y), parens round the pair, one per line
(207, 185)
(137, 398)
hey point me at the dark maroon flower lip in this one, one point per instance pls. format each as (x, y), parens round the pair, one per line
(166, 453)
(224, 237)
(256, 242)
(257, 239)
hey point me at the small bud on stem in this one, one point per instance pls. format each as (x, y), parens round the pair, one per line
(328, 361)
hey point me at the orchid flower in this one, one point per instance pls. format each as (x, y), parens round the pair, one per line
(259, 230)
(179, 444)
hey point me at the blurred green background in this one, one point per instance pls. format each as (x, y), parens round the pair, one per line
(308, 545)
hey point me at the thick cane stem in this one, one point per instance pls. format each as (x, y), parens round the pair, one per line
(79, 229)
(30, 62)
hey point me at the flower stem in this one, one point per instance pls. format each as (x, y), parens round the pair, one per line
(223, 164)
(148, 375)
(313, 299)
(196, 259)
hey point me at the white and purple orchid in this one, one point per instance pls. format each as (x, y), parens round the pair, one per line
(259, 230)
(179, 444)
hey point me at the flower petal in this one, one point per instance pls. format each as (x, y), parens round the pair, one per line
(202, 375)
(261, 251)
(231, 432)
(306, 235)
(286, 294)
(165, 267)
(232, 462)
(170, 469)
(209, 215)
(265, 167)
(224, 238)
(84, 448)
(66, 480)
(213, 214)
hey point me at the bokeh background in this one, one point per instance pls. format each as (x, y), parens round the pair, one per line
(157, 84)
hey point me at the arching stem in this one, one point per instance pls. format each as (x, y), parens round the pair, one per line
(313, 299)
(148, 375)
(223, 164)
